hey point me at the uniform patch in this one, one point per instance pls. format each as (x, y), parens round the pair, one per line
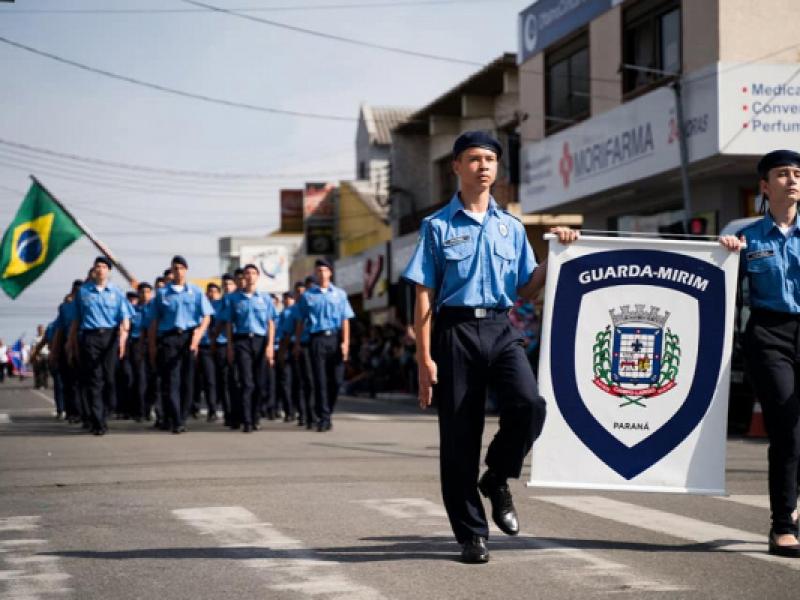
(503, 229)
(760, 254)
(456, 240)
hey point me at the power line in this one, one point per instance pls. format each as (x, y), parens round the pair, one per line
(157, 183)
(176, 92)
(330, 36)
(309, 7)
(158, 170)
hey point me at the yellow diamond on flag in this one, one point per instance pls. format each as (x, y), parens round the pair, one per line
(29, 244)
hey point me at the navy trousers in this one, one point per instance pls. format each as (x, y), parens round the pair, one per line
(772, 342)
(473, 355)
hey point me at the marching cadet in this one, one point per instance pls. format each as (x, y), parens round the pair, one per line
(102, 316)
(238, 277)
(299, 363)
(140, 367)
(771, 264)
(180, 315)
(325, 312)
(249, 317)
(206, 367)
(471, 261)
(40, 353)
(62, 360)
(125, 380)
(287, 384)
(227, 386)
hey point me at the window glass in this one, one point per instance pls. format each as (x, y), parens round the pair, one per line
(671, 41)
(567, 83)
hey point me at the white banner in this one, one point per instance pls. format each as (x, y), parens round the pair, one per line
(273, 262)
(635, 365)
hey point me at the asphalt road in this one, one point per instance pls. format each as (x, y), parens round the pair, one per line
(351, 514)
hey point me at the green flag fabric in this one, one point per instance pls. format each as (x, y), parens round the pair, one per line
(40, 231)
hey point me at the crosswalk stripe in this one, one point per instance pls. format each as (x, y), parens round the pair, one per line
(589, 568)
(719, 537)
(293, 567)
(4, 418)
(755, 500)
(30, 575)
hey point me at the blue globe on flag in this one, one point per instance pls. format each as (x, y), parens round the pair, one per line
(29, 246)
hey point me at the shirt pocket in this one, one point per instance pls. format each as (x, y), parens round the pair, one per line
(763, 264)
(504, 256)
(458, 258)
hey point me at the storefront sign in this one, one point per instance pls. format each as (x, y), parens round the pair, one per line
(320, 237)
(318, 200)
(547, 21)
(759, 108)
(273, 262)
(292, 211)
(635, 140)
(375, 278)
(635, 365)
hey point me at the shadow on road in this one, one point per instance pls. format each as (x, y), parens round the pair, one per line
(392, 548)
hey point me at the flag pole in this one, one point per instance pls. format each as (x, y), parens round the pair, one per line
(88, 233)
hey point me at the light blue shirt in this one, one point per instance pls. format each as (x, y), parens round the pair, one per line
(470, 263)
(286, 323)
(66, 315)
(771, 263)
(137, 321)
(101, 309)
(180, 309)
(248, 314)
(291, 323)
(324, 310)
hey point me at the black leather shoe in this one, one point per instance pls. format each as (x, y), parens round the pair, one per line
(247, 428)
(503, 512)
(474, 551)
(792, 551)
(179, 429)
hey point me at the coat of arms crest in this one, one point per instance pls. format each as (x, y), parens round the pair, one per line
(635, 358)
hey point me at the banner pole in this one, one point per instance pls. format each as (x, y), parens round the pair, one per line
(105, 250)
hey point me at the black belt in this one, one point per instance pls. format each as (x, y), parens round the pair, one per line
(469, 313)
(324, 333)
(98, 330)
(247, 336)
(176, 331)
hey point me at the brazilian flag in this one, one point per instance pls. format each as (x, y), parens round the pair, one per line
(40, 231)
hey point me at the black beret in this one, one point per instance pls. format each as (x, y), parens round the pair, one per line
(476, 139)
(179, 260)
(309, 281)
(77, 283)
(144, 286)
(227, 277)
(777, 158)
(321, 262)
(105, 260)
(238, 272)
(131, 295)
(250, 266)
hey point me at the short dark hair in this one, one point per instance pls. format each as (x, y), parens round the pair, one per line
(238, 272)
(144, 286)
(160, 280)
(212, 286)
(251, 266)
(226, 277)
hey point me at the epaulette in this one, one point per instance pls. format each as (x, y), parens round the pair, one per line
(510, 214)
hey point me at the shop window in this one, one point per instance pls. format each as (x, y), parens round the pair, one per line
(567, 83)
(651, 39)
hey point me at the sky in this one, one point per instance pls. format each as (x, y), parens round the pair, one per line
(146, 215)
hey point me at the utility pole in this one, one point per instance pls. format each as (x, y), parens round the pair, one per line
(683, 145)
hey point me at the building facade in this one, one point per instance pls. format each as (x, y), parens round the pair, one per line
(601, 133)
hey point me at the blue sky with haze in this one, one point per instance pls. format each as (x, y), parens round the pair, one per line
(147, 217)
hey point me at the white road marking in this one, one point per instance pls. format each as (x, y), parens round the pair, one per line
(45, 396)
(30, 576)
(719, 537)
(4, 418)
(293, 566)
(590, 569)
(755, 500)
